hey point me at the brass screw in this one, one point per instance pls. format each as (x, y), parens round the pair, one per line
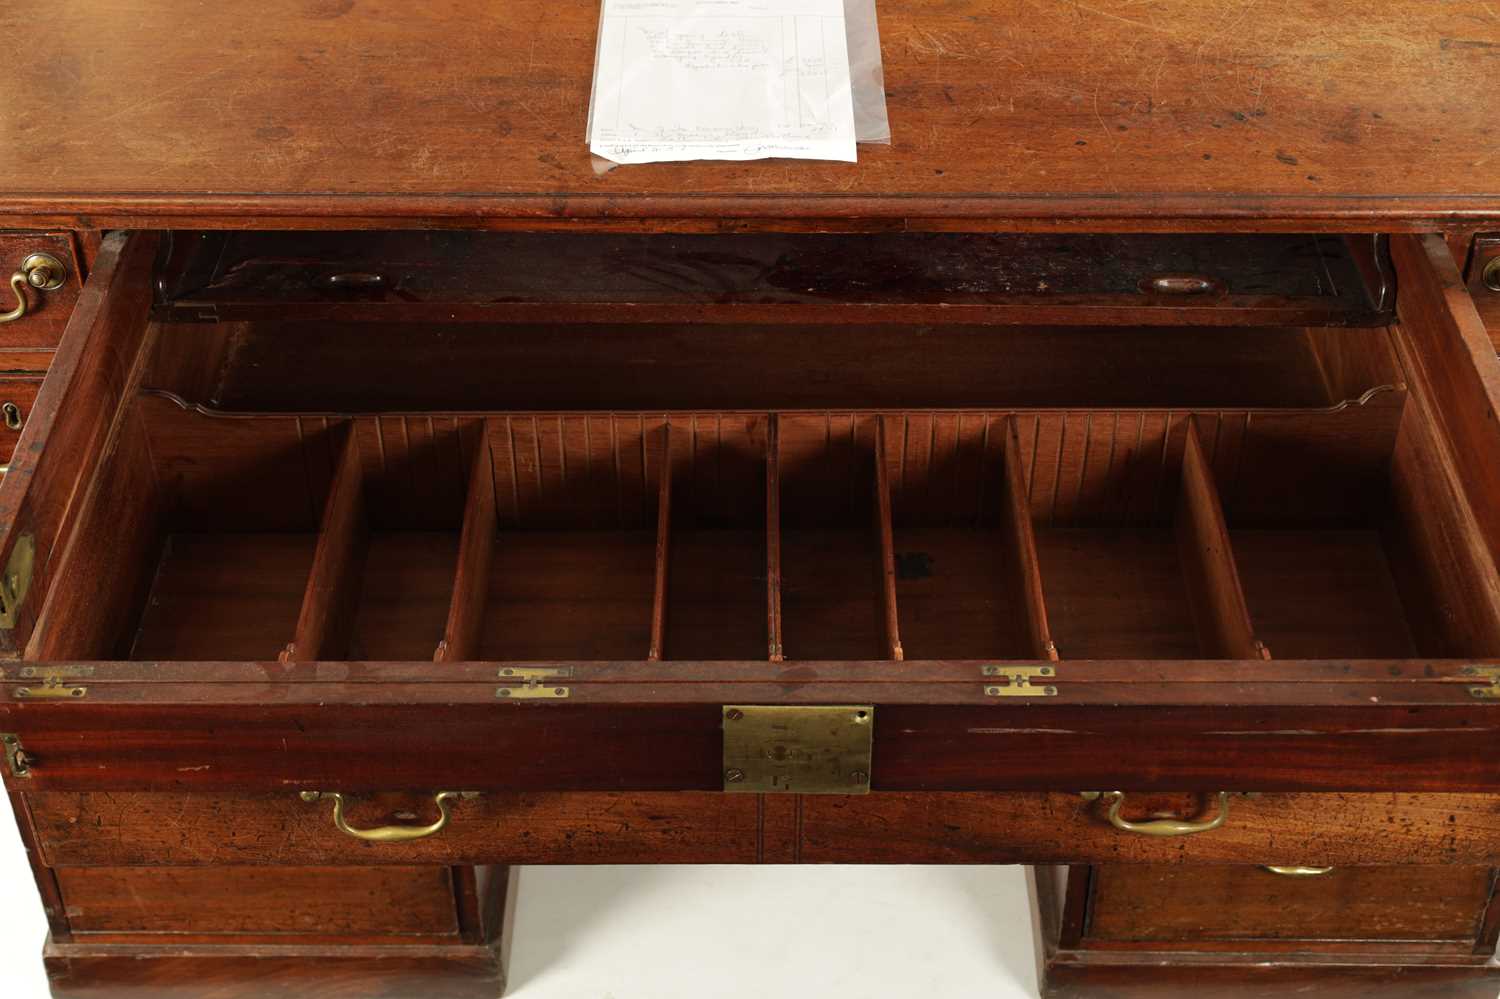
(39, 277)
(734, 714)
(734, 775)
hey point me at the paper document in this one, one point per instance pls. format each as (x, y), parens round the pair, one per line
(721, 80)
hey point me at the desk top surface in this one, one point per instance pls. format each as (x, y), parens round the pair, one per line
(373, 112)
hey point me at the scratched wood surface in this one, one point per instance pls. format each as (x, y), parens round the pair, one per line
(999, 109)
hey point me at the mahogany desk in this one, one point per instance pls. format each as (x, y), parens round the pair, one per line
(391, 498)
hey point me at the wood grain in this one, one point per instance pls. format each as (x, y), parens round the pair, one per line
(1157, 112)
(659, 735)
(206, 829)
(1165, 904)
(325, 901)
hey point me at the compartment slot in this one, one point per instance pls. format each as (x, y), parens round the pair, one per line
(1354, 542)
(200, 547)
(967, 581)
(325, 623)
(1134, 556)
(834, 600)
(722, 562)
(476, 548)
(400, 578)
(572, 575)
(1213, 582)
(224, 596)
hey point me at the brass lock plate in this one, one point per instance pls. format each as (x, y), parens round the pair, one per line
(798, 749)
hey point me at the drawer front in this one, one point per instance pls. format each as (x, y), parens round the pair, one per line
(1156, 904)
(382, 901)
(47, 311)
(126, 829)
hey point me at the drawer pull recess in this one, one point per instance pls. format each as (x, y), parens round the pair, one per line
(1159, 827)
(1301, 872)
(41, 271)
(388, 834)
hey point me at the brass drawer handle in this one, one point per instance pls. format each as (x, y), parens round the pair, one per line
(1159, 827)
(1300, 872)
(41, 271)
(1492, 275)
(1182, 285)
(389, 834)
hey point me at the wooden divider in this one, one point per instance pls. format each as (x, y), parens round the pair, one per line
(1019, 550)
(1213, 583)
(773, 538)
(657, 649)
(476, 547)
(885, 534)
(326, 620)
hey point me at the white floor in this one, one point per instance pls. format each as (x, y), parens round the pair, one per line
(728, 932)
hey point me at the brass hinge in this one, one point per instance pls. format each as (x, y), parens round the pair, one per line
(533, 687)
(52, 688)
(16, 759)
(1490, 692)
(1019, 681)
(798, 749)
(16, 580)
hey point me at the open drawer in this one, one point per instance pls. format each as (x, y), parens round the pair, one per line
(244, 558)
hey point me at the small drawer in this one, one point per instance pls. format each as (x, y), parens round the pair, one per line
(47, 308)
(329, 901)
(1178, 904)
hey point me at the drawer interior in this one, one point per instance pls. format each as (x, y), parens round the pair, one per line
(734, 535)
(355, 484)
